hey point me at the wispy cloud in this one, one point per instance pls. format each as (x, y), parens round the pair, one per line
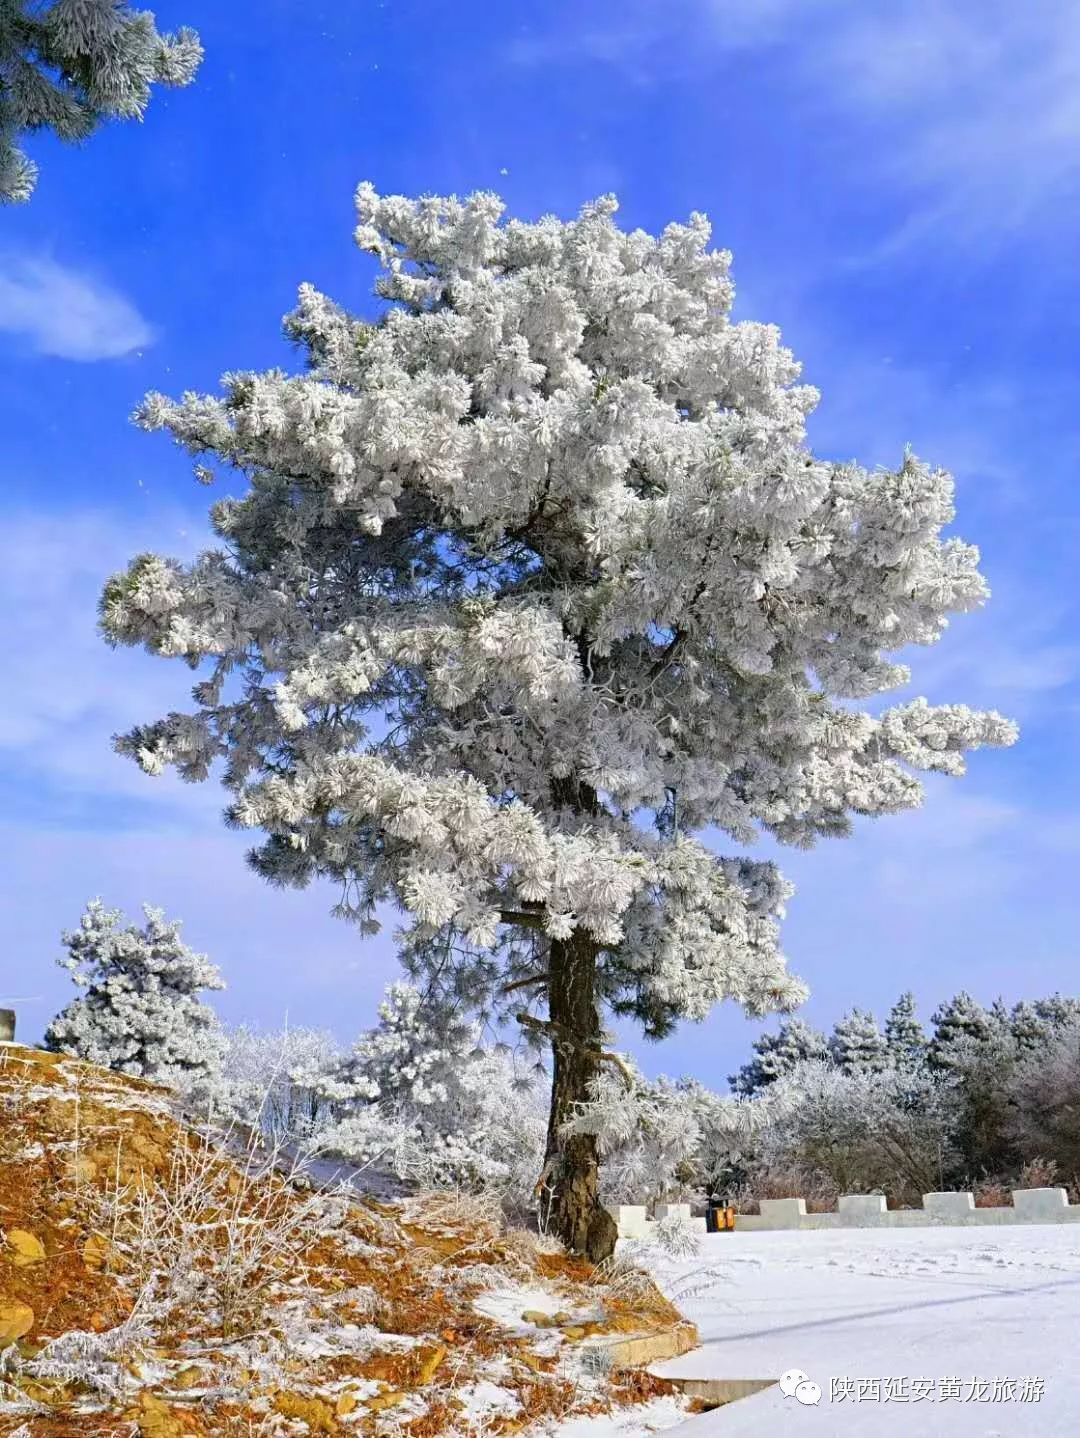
(72, 691)
(67, 313)
(972, 106)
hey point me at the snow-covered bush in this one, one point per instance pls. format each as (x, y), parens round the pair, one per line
(420, 1098)
(140, 1012)
(1044, 1091)
(887, 1130)
(269, 1080)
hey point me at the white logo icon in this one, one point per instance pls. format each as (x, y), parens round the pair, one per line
(798, 1385)
(790, 1380)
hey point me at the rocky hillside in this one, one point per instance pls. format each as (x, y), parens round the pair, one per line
(159, 1281)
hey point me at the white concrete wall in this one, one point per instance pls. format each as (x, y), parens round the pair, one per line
(867, 1210)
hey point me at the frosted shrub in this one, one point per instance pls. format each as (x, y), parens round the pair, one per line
(1045, 1099)
(886, 1130)
(270, 1080)
(141, 1012)
(418, 1097)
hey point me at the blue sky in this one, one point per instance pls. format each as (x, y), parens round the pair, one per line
(900, 186)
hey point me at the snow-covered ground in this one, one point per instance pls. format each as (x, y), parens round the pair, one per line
(948, 1310)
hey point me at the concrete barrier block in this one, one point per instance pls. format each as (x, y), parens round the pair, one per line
(783, 1212)
(944, 1206)
(673, 1210)
(1040, 1203)
(631, 1220)
(861, 1206)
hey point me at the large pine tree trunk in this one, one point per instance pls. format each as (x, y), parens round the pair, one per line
(572, 1170)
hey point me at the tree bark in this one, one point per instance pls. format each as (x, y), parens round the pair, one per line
(571, 1170)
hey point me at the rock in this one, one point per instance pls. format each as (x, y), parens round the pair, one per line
(315, 1412)
(28, 1248)
(81, 1169)
(16, 1319)
(154, 1418)
(97, 1252)
(384, 1400)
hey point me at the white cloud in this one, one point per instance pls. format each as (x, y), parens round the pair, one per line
(67, 692)
(975, 103)
(970, 106)
(66, 313)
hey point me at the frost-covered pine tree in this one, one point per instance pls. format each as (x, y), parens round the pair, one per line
(420, 1098)
(794, 1042)
(537, 553)
(958, 1023)
(68, 65)
(1058, 1011)
(904, 1035)
(140, 1012)
(857, 1045)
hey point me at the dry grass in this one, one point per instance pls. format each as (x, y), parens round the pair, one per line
(218, 1298)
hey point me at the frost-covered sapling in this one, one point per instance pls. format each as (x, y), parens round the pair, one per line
(857, 1045)
(140, 1011)
(420, 1098)
(534, 557)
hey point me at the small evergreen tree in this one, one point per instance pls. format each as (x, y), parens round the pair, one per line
(777, 1054)
(857, 1045)
(419, 1098)
(141, 1013)
(69, 65)
(1058, 1011)
(956, 1022)
(904, 1035)
(1029, 1029)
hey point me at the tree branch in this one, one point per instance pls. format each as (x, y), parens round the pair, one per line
(524, 983)
(559, 1033)
(524, 917)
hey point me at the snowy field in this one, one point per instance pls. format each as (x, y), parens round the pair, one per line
(929, 1306)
